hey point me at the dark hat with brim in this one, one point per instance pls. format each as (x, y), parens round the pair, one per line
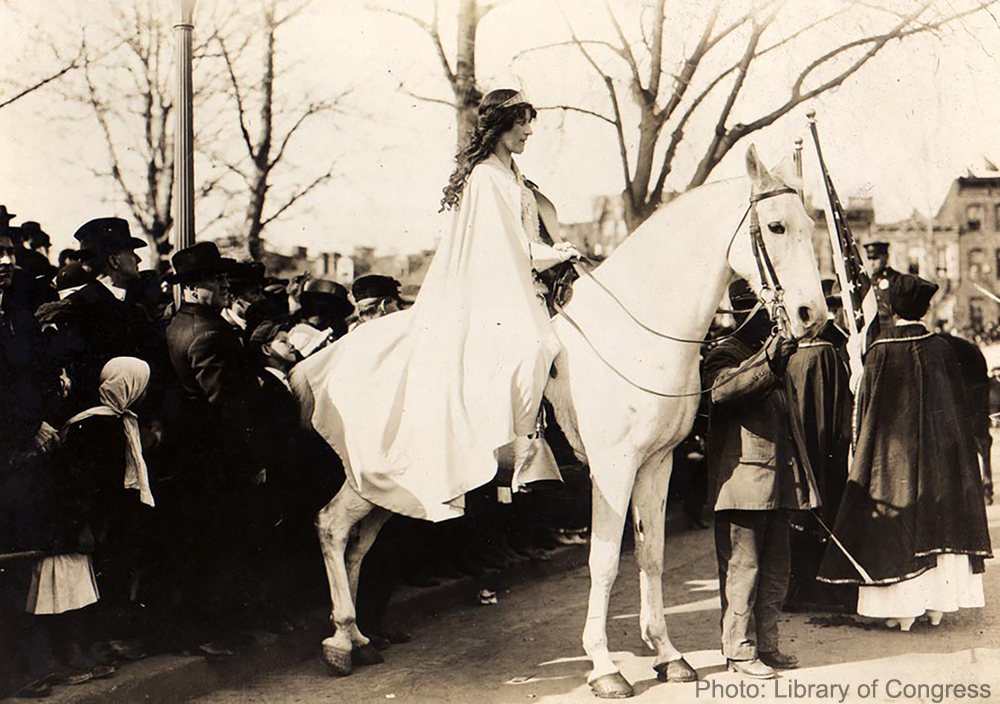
(375, 286)
(875, 249)
(742, 299)
(320, 296)
(106, 236)
(247, 275)
(265, 332)
(910, 296)
(199, 262)
(34, 233)
(73, 275)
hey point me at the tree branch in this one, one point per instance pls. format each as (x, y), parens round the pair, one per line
(298, 195)
(573, 108)
(72, 65)
(430, 29)
(247, 141)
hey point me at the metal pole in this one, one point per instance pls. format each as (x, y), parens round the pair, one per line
(184, 131)
(798, 169)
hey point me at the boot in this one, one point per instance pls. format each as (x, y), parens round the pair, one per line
(533, 461)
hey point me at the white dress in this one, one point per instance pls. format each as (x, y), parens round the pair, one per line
(416, 402)
(949, 586)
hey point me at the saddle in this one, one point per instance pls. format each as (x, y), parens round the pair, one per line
(558, 282)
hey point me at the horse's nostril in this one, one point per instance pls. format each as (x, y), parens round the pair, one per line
(805, 314)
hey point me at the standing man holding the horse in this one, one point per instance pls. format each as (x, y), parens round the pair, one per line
(757, 478)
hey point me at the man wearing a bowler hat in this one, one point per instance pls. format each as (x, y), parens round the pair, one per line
(218, 454)
(97, 323)
(322, 316)
(882, 277)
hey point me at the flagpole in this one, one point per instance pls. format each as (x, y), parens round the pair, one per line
(838, 252)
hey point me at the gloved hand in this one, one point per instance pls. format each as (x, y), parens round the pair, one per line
(779, 350)
(568, 250)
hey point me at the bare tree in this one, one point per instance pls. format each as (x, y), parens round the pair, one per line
(39, 83)
(265, 148)
(129, 89)
(459, 71)
(669, 104)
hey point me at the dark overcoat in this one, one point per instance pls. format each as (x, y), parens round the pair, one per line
(220, 397)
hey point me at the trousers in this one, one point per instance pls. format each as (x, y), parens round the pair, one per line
(752, 548)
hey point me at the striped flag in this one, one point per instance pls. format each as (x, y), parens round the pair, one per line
(856, 289)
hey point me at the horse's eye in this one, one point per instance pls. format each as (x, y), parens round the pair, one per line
(776, 227)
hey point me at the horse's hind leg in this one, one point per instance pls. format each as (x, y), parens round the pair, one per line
(649, 503)
(334, 524)
(358, 547)
(607, 523)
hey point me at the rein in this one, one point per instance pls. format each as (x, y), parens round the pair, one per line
(769, 283)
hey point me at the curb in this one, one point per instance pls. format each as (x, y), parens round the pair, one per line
(180, 678)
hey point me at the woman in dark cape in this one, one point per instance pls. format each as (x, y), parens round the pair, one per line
(912, 515)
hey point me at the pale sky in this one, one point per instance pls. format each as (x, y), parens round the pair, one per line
(900, 130)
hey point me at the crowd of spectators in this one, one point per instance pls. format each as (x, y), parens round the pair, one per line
(157, 486)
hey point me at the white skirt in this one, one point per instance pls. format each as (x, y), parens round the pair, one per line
(948, 587)
(61, 583)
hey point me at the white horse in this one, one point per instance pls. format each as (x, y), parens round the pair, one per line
(625, 397)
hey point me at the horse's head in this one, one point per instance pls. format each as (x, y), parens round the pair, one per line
(786, 232)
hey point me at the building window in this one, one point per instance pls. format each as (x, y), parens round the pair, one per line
(975, 213)
(998, 263)
(976, 306)
(977, 264)
(996, 216)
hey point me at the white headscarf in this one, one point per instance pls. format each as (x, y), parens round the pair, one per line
(123, 382)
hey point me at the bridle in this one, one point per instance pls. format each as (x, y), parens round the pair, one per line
(771, 292)
(769, 285)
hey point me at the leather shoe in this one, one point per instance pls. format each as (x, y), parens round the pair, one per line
(779, 660)
(751, 668)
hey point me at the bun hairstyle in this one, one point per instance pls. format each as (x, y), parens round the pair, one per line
(498, 111)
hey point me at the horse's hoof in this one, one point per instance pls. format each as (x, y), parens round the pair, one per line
(338, 661)
(366, 654)
(612, 686)
(678, 670)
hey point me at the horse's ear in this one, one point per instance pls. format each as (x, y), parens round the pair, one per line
(760, 177)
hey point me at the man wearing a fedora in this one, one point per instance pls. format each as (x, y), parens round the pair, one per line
(218, 454)
(322, 317)
(97, 323)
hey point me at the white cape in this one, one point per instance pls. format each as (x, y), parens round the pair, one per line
(417, 402)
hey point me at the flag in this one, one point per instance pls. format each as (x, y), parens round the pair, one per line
(856, 291)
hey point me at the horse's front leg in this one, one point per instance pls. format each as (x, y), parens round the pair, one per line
(649, 504)
(334, 524)
(607, 522)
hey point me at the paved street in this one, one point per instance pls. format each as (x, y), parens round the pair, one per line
(527, 648)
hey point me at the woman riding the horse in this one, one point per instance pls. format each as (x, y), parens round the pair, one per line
(487, 174)
(419, 402)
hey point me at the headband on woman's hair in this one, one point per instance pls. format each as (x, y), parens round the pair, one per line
(515, 99)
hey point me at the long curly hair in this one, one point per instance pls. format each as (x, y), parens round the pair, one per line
(494, 120)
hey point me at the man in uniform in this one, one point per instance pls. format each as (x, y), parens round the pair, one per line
(882, 276)
(757, 478)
